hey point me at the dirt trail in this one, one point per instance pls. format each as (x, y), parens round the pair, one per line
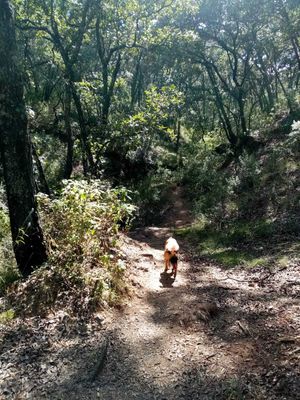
(211, 334)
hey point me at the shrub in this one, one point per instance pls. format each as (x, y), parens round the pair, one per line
(8, 269)
(209, 188)
(151, 195)
(81, 225)
(84, 269)
(260, 186)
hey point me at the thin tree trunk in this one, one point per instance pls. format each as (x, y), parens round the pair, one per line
(286, 95)
(264, 72)
(108, 90)
(87, 157)
(136, 82)
(29, 247)
(69, 62)
(42, 178)
(178, 134)
(242, 112)
(70, 141)
(105, 56)
(221, 109)
(291, 33)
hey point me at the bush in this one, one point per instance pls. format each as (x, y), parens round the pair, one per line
(84, 269)
(259, 186)
(209, 188)
(151, 194)
(8, 269)
(81, 225)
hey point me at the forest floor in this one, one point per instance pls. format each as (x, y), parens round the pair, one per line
(213, 333)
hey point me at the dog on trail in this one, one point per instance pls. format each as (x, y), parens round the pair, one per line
(171, 255)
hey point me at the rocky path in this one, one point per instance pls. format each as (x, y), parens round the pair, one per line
(211, 334)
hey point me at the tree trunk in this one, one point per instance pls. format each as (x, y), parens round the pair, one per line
(70, 143)
(267, 78)
(291, 33)
(178, 134)
(16, 155)
(44, 187)
(221, 109)
(108, 89)
(87, 157)
(105, 56)
(286, 94)
(136, 82)
(69, 62)
(242, 116)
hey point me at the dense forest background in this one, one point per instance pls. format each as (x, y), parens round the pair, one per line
(125, 99)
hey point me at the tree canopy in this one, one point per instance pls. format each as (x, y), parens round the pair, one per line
(89, 66)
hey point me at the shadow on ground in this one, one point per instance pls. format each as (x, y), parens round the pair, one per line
(249, 320)
(123, 378)
(210, 334)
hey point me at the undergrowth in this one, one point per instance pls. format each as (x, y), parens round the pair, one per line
(8, 269)
(250, 244)
(151, 196)
(85, 269)
(246, 211)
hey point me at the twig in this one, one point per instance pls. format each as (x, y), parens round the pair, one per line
(272, 273)
(297, 350)
(210, 356)
(245, 329)
(227, 288)
(289, 339)
(228, 277)
(237, 280)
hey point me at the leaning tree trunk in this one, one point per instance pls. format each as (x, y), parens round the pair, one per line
(43, 187)
(15, 150)
(232, 138)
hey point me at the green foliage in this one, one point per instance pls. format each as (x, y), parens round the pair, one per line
(9, 272)
(82, 223)
(292, 145)
(8, 269)
(51, 154)
(155, 121)
(4, 220)
(84, 269)
(239, 243)
(243, 209)
(151, 195)
(259, 186)
(7, 316)
(209, 189)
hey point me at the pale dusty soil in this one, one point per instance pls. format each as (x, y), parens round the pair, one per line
(211, 334)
